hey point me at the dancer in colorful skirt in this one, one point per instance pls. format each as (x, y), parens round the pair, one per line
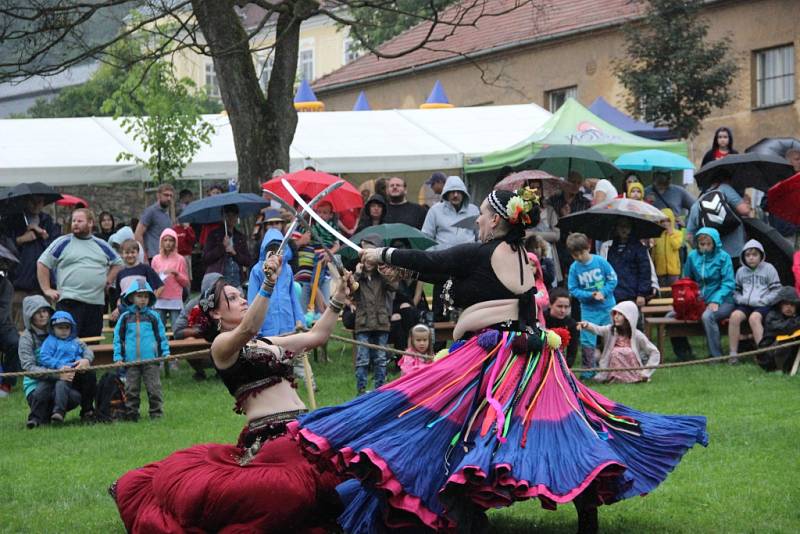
(263, 483)
(500, 419)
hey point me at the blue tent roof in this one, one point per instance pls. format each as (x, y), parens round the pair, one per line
(362, 104)
(437, 96)
(610, 114)
(305, 93)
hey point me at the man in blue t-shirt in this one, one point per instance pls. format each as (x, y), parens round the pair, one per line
(154, 220)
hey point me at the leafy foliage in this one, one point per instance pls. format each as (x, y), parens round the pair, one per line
(86, 100)
(164, 115)
(673, 76)
(381, 21)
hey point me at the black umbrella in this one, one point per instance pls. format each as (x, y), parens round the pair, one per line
(777, 249)
(775, 146)
(560, 160)
(760, 171)
(15, 196)
(600, 221)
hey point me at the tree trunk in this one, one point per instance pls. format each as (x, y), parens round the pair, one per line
(262, 128)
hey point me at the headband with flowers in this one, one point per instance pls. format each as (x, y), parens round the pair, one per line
(519, 207)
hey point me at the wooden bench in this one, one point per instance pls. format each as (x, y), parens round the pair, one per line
(672, 327)
(443, 331)
(660, 302)
(104, 353)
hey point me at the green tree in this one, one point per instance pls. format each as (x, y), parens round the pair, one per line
(164, 115)
(87, 99)
(673, 76)
(44, 37)
(379, 22)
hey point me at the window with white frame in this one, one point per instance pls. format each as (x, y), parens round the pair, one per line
(266, 71)
(351, 52)
(305, 65)
(557, 97)
(775, 70)
(212, 87)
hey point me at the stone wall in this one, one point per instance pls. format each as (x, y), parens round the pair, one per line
(124, 200)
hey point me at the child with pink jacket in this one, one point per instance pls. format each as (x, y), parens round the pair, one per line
(171, 267)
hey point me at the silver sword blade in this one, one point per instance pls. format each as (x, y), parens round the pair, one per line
(298, 216)
(322, 222)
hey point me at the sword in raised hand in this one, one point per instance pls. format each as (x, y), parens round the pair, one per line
(314, 215)
(298, 216)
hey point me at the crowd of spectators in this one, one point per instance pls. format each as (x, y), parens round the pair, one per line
(55, 288)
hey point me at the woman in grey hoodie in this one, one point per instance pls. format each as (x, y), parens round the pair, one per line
(39, 392)
(757, 284)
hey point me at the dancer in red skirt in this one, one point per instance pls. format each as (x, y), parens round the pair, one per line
(263, 483)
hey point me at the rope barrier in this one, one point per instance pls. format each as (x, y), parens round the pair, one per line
(205, 353)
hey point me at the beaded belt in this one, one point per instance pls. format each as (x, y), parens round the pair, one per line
(261, 430)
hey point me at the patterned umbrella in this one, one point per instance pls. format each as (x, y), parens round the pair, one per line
(551, 184)
(600, 221)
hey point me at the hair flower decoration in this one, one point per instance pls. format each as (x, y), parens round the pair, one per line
(206, 301)
(518, 210)
(198, 319)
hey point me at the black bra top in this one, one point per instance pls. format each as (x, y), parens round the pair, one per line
(255, 369)
(469, 266)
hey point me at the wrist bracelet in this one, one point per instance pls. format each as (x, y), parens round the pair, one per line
(335, 305)
(267, 285)
(264, 293)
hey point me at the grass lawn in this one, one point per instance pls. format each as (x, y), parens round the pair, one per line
(747, 480)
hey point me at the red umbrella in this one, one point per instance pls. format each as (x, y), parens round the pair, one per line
(71, 200)
(783, 199)
(551, 184)
(309, 183)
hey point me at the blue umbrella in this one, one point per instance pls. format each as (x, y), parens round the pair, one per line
(209, 209)
(653, 160)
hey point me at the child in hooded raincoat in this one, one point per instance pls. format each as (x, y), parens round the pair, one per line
(284, 314)
(757, 284)
(624, 346)
(666, 251)
(171, 267)
(782, 324)
(61, 349)
(140, 336)
(711, 267)
(542, 298)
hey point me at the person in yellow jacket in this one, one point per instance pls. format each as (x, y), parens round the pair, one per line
(666, 251)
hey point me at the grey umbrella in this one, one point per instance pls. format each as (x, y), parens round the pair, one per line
(775, 146)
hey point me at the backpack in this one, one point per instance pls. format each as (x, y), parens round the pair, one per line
(110, 399)
(687, 300)
(715, 212)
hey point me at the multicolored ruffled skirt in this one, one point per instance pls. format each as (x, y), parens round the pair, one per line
(486, 426)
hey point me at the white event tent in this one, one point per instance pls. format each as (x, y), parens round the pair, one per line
(84, 150)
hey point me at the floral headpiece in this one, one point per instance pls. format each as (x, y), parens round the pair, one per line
(198, 319)
(206, 302)
(518, 208)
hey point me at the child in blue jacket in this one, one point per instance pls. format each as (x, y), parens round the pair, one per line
(61, 349)
(592, 281)
(140, 336)
(712, 268)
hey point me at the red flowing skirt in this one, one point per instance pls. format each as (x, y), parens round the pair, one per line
(204, 489)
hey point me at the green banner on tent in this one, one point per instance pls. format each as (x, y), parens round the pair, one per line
(572, 124)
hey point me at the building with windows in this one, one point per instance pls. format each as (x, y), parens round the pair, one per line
(324, 47)
(549, 50)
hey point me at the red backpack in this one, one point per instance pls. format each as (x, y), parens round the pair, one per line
(687, 300)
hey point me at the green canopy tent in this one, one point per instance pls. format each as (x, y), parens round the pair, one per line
(572, 124)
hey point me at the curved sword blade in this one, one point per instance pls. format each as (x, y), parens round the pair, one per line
(322, 222)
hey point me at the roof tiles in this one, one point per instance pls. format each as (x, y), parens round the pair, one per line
(482, 25)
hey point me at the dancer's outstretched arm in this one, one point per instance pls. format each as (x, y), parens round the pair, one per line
(323, 328)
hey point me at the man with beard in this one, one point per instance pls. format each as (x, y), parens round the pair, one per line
(154, 220)
(400, 210)
(85, 265)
